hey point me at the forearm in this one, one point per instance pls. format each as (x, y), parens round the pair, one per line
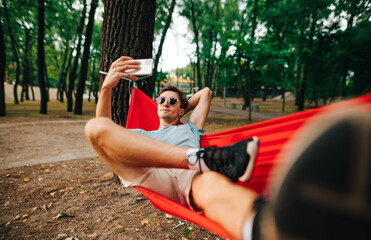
(104, 103)
(200, 104)
(117, 71)
(203, 94)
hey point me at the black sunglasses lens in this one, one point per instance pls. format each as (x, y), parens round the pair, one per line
(172, 101)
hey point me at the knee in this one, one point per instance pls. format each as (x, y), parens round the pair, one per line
(211, 183)
(97, 127)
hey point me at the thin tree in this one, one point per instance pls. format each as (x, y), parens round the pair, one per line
(72, 77)
(163, 36)
(41, 57)
(15, 52)
(127, 30)
(26, 67)
(85, 59)
(2, 70)
(198, 54)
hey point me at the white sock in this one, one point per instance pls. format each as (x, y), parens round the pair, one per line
(193, 163)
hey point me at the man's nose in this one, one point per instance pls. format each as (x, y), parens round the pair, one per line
(166, 103)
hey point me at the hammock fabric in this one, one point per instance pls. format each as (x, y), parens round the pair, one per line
(273, 135)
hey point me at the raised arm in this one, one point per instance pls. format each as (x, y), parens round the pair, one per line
(200, 104)
(115, 73)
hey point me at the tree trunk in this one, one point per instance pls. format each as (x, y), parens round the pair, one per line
(297, 84)
(2, 69)
(128, 27)
(265, 93)
(85, 59)
(26, 67)
(31, 78)
(198, 55)
(15, 51)
(306, 64)
(72, 77)
(62, 77)
(41, 58)
(47, 82)
(249, 81)
(159, 51)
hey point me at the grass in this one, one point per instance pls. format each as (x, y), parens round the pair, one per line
(56, 109)
(270, 105)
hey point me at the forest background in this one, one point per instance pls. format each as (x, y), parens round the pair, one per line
(317, 49)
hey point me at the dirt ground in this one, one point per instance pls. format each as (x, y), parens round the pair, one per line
(53, 186)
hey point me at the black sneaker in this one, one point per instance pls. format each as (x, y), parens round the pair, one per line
(232, 161)
(324, 191)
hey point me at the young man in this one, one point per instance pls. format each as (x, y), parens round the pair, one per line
(171, 167)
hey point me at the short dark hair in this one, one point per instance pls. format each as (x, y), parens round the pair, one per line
(183, 99)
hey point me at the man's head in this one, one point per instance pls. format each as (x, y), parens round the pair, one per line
(171, 103)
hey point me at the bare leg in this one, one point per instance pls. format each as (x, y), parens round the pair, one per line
(124, 151)
(223, 201)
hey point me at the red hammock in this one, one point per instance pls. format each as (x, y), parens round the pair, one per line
(273, 135)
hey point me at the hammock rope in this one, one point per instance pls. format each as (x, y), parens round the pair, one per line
(273, 135)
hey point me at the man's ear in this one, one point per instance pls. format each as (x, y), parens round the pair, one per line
(181, 112)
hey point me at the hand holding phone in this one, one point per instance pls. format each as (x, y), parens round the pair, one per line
(146, 66)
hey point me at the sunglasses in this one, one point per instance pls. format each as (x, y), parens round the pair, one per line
(171, 100)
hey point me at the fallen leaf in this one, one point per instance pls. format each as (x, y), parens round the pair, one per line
(8, 223)
(93, 235)
(108, 175)
(45, 208)
(168, 216)
(144, 221)
(26, 179)
(34, 209)
(47, 170)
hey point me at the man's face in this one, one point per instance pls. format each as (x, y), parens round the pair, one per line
(167, 111)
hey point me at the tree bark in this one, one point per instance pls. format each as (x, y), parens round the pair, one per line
(85, 59)
(72, 77)
(41, 58)
(2, 70)
(15, 51)
(159, 51)
(128, 27)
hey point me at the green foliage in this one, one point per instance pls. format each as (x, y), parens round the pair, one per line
(61, 21)
(186, 231)
(318, 49)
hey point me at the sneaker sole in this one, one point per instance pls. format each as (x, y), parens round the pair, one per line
(252, 150)
(324, 191)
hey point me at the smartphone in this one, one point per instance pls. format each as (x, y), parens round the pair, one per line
(146, 66)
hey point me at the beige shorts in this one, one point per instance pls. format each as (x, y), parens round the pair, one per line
(174, 184)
